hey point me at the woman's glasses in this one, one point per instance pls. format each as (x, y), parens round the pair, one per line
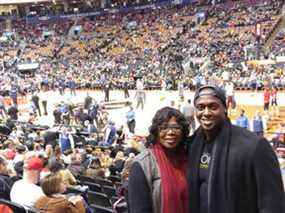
(166, 128)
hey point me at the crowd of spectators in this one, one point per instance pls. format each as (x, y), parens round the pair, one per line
(278, 47)
(166, 44)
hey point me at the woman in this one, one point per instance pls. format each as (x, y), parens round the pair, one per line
(66, 175)
(55, 201)
(118, 163)
(95, 169)
(157, 181)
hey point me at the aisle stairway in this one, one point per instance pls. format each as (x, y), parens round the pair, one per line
(268, 43)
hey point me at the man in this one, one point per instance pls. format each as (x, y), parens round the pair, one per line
(110, 134)
(57, 115)
(3, 111)
(181, 90)
(231, 170)
(106, 88)
(131, 119)
(25, 191)
(72, 86)
(229, 88)
(140, 98)
(89, 127)
(61, 85)
(13, 112)
(126, 89)
(189, 111)
(140, 94)
(14, 94)
(7, 179)
(36, 102)
(93, 112)
(76, 167)
(43, 95)
(257, 124)
(242, 120)
(87, 101)
(66, 141)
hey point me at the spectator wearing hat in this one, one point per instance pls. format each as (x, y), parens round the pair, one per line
(25, 191)
(230, 168)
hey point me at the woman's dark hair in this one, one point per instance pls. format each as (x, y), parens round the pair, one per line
(162, 116)
(95, 163)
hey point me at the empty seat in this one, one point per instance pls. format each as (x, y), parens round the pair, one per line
(101, 209)
(95, 187)
(103, 182)
(76, 190)
(110, 191)
(97, 198)
(118, 184)
(83, 179)
(114, 199)
(115, 178)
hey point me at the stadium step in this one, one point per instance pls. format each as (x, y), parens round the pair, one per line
(280, 25)
(116, 104)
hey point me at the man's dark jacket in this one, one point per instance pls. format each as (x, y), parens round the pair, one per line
(244, 174)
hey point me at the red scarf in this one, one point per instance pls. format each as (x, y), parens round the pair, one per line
(174, 190)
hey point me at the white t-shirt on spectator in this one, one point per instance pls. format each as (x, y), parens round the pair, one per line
(25, 193)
